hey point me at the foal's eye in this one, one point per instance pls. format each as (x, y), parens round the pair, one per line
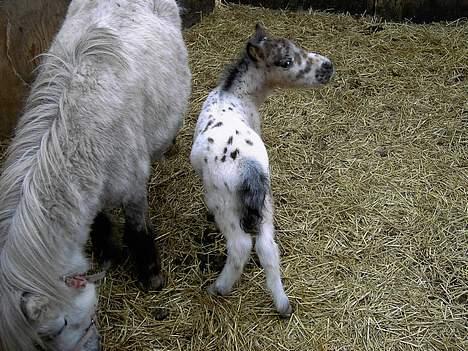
(285, 64)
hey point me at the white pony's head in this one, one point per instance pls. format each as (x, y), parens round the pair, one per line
(32, 321)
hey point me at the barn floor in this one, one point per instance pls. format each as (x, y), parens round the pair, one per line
(370, 180)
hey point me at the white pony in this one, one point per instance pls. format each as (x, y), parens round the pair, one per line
(109, 97)
(231, 159)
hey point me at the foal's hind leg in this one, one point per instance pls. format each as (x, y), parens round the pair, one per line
(239, 246)
(268, 253)
(139, 238)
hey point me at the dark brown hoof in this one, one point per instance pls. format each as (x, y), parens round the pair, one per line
(157, 282)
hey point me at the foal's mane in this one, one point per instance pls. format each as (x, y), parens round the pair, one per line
(234, 70)
(32, 255)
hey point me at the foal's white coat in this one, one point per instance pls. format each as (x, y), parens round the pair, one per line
(230, 157)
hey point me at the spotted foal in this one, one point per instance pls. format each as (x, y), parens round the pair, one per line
(230, 157)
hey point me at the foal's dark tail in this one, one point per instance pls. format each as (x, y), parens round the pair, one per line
(254, 187)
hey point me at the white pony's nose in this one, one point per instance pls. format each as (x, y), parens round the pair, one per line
(92, 344)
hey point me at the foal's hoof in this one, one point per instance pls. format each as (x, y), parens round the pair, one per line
(212, 290)
(217, 291)
(285, 311)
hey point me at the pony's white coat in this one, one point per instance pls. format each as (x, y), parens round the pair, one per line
(109, 97)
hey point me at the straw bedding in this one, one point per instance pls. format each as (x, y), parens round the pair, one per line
(369, 177)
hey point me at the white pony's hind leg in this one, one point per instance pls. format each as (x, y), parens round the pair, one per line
(268, 253)
(239, 247)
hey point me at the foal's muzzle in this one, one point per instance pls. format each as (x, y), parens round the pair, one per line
(325, 72)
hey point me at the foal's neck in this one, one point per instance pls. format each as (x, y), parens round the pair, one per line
(246, 82)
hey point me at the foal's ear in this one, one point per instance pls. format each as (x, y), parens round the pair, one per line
(255, 51)
(34, 307)
(260, 33)
(254, 46)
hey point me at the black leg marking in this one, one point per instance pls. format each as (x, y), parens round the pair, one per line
(145, 253)
(104, 247)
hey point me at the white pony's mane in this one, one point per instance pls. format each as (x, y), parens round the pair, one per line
(32, 255)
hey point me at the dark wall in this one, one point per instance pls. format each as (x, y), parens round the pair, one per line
(358, 6)
(421, 10)
(416, 10)
(26, 30)
(193, 10)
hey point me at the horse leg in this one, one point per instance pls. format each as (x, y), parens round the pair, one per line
(138, 236)
(268, 253)
(104, 247)
(239, 246)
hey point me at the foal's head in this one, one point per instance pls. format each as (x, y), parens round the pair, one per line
(39, 321)
(285, 64)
